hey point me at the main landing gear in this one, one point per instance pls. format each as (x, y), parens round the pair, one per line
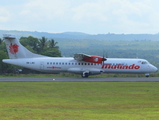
(85, 74)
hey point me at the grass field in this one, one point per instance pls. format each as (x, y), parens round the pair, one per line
(79, 100)
(75, 75)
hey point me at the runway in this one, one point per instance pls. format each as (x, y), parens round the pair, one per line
(73, 79)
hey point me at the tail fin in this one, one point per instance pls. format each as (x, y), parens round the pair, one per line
(15, 49)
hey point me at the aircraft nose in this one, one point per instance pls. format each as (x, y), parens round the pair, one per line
(155, 68)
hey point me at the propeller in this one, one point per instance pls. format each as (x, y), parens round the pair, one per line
(103, 59)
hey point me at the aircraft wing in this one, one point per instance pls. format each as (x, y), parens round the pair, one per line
(89, 58)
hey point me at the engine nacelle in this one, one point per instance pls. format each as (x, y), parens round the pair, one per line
(81, 71)
(75, 70)
(95, 71)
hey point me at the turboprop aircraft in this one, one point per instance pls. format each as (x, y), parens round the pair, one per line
(79, 64)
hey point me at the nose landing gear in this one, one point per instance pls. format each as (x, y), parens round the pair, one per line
(147, 74)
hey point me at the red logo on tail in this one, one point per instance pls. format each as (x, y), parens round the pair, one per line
(13, 48)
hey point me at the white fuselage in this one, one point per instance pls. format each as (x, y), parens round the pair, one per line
(62, 64)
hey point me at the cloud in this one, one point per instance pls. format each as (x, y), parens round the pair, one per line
(44, 9)
(104, 11)
(89, 12)
(4, 15)
(122, 16)
(89, 16)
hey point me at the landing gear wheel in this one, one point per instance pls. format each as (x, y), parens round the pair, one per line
(147, 74)
(85, 75)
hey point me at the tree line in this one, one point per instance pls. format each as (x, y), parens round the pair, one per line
(42, 46)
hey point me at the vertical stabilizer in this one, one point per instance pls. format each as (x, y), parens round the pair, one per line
(15, 49)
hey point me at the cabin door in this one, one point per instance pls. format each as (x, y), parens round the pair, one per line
(42, 65)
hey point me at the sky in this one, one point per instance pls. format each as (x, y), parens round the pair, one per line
(87, 16)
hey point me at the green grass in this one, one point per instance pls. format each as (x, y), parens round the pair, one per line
(79, 100)
(76, 75)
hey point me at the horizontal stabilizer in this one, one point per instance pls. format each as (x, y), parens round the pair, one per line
(9, 36)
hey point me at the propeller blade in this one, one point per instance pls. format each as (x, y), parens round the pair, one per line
(103, 59)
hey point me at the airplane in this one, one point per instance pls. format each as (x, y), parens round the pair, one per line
(82, 64)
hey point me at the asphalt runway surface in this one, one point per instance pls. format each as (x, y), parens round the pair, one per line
(73, 79)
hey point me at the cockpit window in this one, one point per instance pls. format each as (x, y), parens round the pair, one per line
(144, 62)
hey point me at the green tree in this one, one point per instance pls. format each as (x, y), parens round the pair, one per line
(52, 52)
(3, 47)
(3, 66)
(43, 43)
(53, 44)
(32, 42)
(1, 41)
(41, 46)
